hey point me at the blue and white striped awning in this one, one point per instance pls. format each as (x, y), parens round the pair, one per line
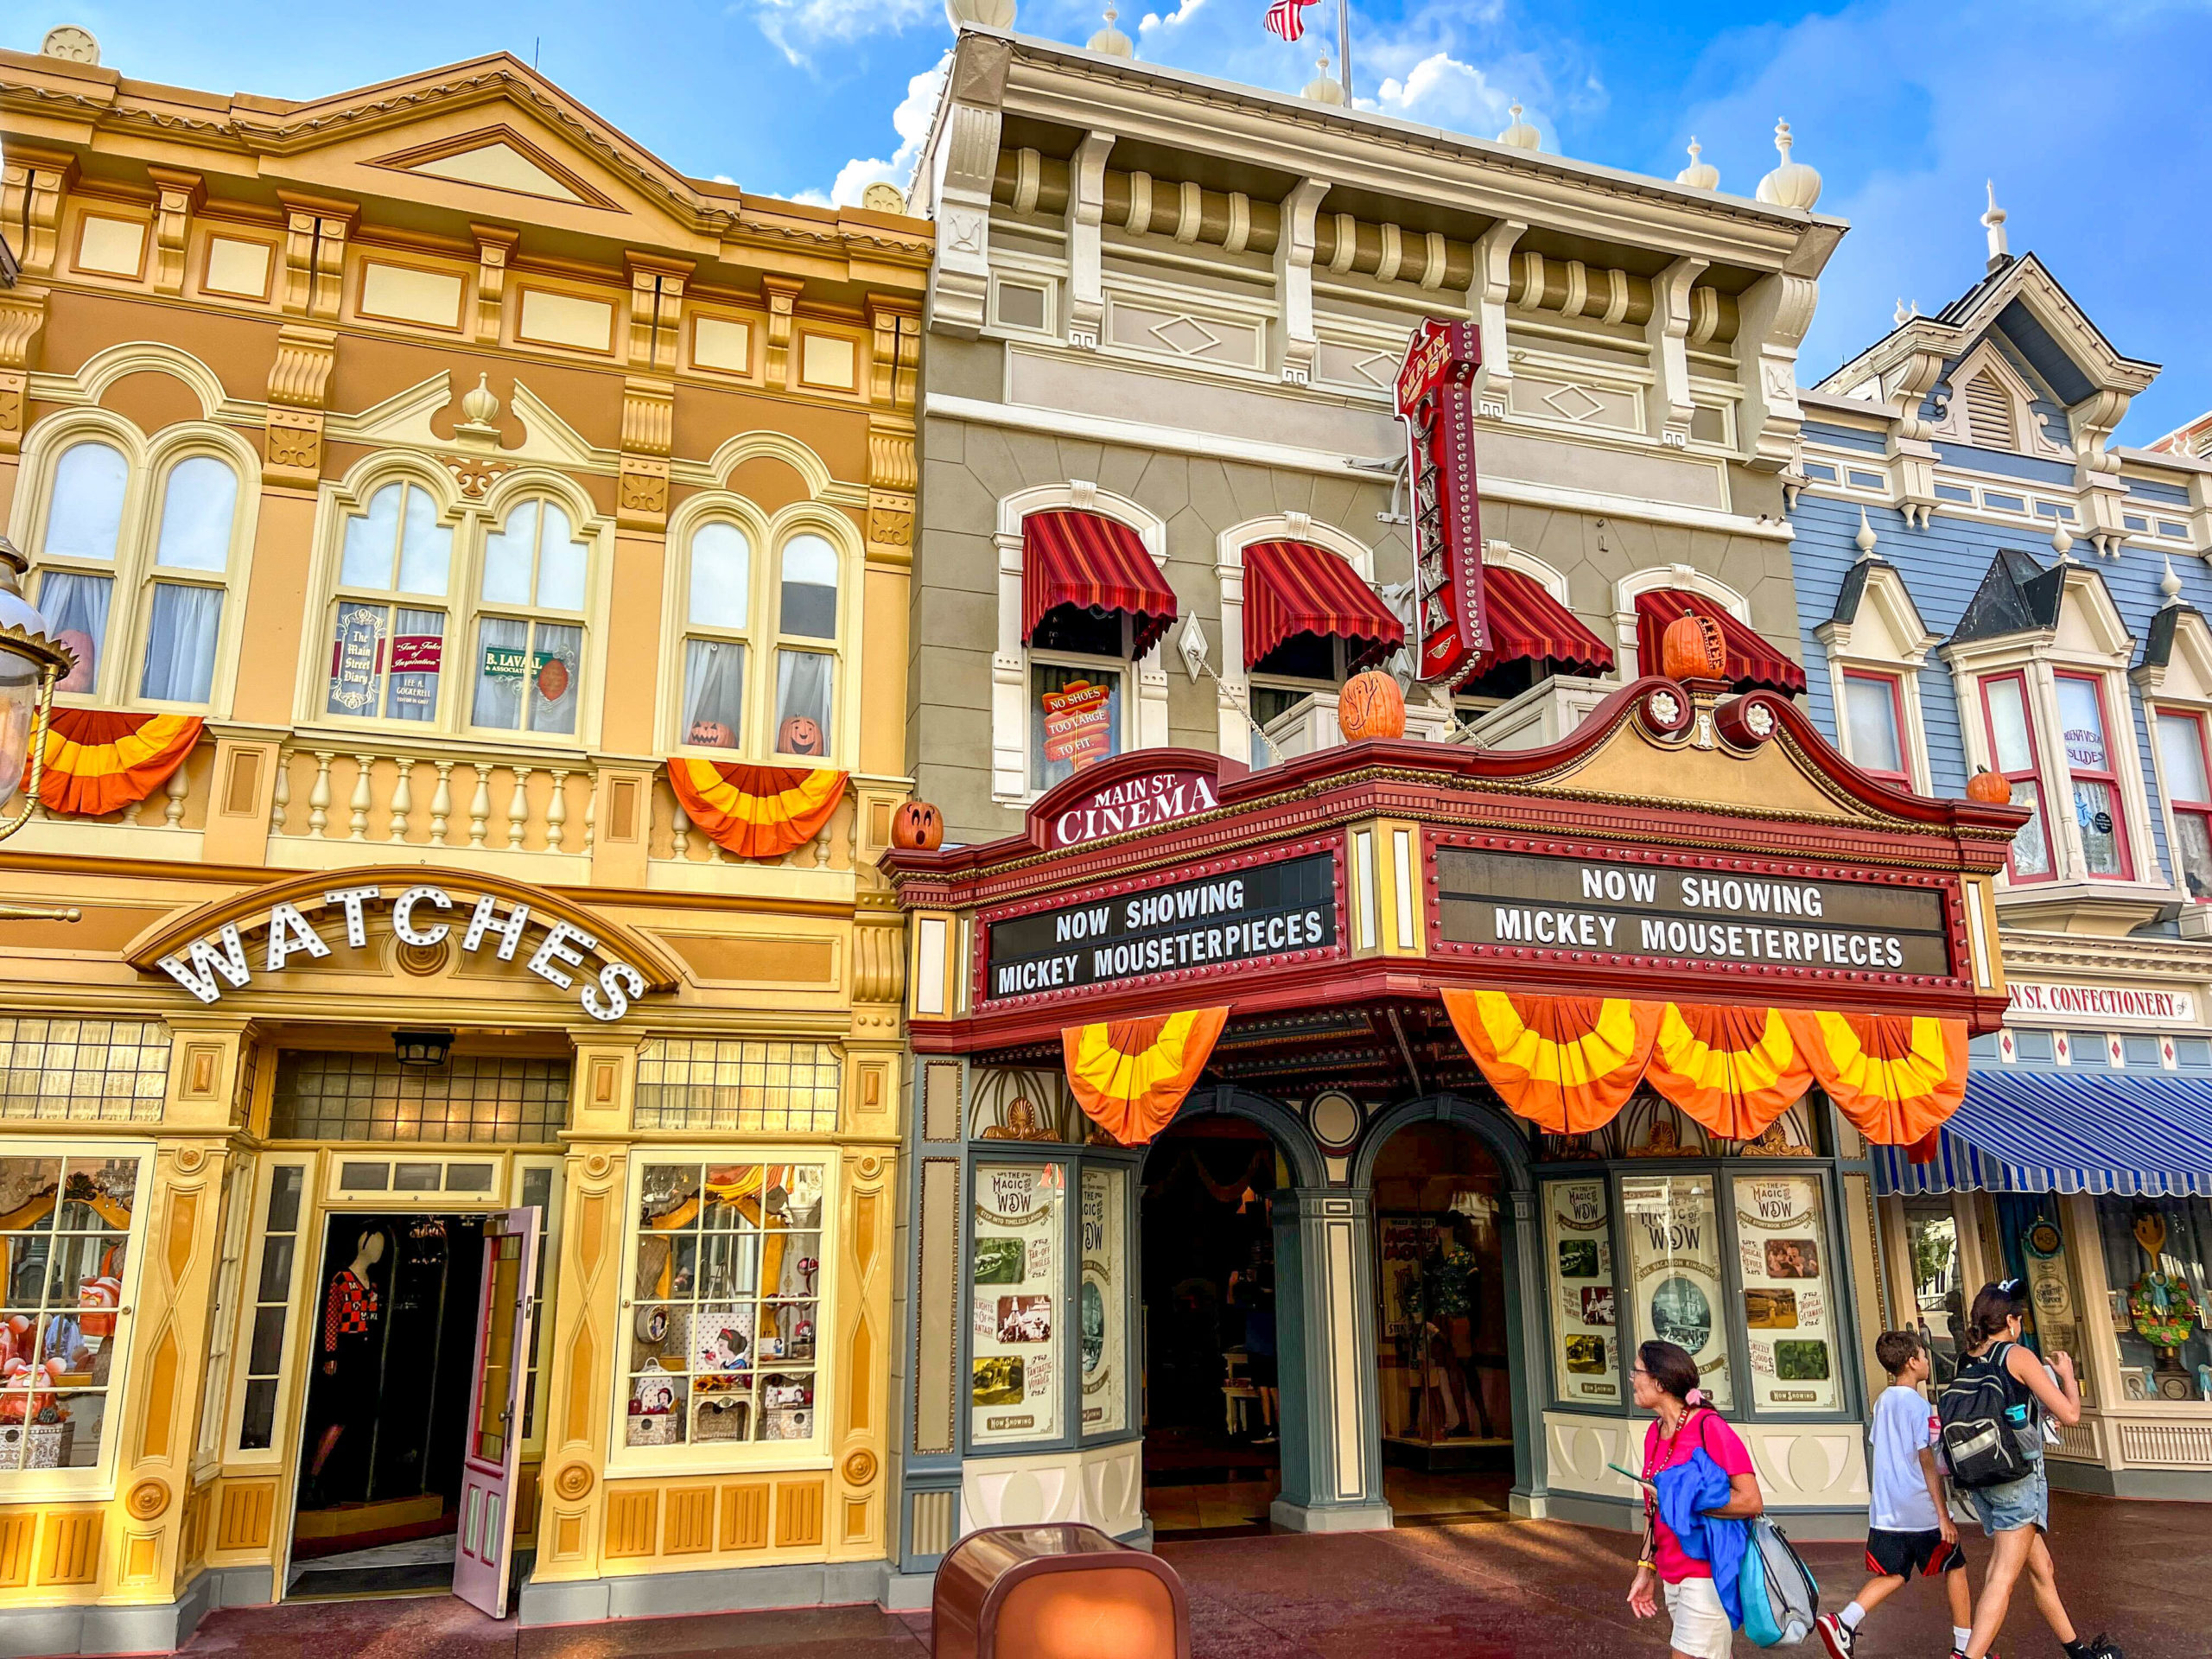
(2035, 1131)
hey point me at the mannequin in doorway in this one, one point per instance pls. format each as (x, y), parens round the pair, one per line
(1252, 1291)
(347, 1355)
(1449, 1297)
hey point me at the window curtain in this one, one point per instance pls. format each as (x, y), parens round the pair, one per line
(802, 695)
(180, 643)
(713, 693)
(75, 607)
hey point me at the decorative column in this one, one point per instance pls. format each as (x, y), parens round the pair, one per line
(1529, 1375)
(1324, 1313)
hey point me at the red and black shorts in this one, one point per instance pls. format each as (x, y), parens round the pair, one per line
(1902, 1554)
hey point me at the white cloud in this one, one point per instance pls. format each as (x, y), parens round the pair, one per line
(911, 121)
(796, 25)
(1442, 89)
(1153, 21)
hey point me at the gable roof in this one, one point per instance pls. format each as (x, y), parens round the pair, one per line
(2017, 595)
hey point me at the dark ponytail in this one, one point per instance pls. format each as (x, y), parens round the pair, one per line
(1995, 1307)
(1670, 1369)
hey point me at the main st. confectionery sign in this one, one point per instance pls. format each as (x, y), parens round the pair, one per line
(421, 914)
(1487, 898)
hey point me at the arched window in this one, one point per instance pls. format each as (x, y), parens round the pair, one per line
(192, 554)
(390, 622)
(717, 616)
(806, 678)
(530, 638)
(84, 526)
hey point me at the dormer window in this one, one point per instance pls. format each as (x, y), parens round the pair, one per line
(2097, 811)
(2012, 751)
(2182, 760)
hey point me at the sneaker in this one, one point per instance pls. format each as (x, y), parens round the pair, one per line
(1839, 1640)
(2102, 1648)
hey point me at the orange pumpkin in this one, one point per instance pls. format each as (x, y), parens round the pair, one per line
(1694, 648)
(917, 827)
(1372, 705)
(1989, 788)
(712, 734)
(799, 735)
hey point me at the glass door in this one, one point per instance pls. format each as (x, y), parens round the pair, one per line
(482, 1564)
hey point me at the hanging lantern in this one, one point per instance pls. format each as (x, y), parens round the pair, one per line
(1372, 705)
(31, 663)
(1694, 648)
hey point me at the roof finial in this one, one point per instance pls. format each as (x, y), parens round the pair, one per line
(1904, 313)
(1866, 538)
(1994, 220)
(1521, 135)
(1111, 39)
(2170, 584)
(1324, 88)
(2061, 543)
(1699, 174)
(1793, 184)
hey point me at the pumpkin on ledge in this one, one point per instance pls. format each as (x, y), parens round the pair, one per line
(1694, 648)
(1989, 788)
(1370, 705)
(916, 827)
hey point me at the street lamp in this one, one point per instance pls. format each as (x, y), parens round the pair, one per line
(30, 663)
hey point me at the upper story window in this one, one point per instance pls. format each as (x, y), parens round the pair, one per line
(2013, 749)
(511, 594)
(2183, 768)
(2094, 778)
(761, 615)
(1078, 670)
(134, 574)
(1874, 716)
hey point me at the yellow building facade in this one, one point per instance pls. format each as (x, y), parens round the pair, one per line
(512, 536)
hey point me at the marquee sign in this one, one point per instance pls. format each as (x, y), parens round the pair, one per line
(1258, 914)
(1434, 401)
(422, 915)
(1507, 900)
(1152, 800)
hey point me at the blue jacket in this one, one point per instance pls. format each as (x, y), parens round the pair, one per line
(1686, 1492)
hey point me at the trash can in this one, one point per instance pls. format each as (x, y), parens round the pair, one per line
(1056, 1592)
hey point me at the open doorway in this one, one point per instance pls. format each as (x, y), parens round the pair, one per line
(1213, 1452)
(1446, 1388)
(397, 1311)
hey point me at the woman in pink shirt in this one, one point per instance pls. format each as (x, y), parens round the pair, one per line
(1665, 1381)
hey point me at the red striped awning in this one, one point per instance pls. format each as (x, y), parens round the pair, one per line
(1752, 662)
(1087, 560)
(1528, 625)
(1294, 587)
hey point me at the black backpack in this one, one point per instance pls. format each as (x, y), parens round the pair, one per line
(1981, 1411)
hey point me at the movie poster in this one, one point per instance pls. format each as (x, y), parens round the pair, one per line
(1101, 1336)
(1673, 1223)
(1787, 1312)
(1578, 1247)
(1016, 1334)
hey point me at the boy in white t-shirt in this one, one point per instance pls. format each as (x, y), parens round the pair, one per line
(1909, 1528)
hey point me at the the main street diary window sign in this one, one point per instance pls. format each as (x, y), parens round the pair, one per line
(1260, 913)
(1619, 909)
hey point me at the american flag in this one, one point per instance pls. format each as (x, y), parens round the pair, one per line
(1287, 18)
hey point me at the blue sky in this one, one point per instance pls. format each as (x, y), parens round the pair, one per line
(2091, 119)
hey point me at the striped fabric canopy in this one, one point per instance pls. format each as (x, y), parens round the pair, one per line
(1752, 662)
(1097, 563)
(1294, 587)
(1528, 625)
(2027, 1131)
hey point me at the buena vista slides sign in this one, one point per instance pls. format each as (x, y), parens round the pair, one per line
(422, 914)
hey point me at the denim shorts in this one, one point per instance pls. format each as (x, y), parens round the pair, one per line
(2016, 1503)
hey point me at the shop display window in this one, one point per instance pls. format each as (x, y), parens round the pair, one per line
(1673, 1227)
(1939, 1298)
(1102, 1300)
(2156, 1255)
(1019, 1298)
(67, 1226)
(1586, 1326)
(724, 1304)
(1790, 1313)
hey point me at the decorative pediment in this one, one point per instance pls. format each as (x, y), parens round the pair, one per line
(1875, 620)
(497, 158)
(405, 420)
(2177, 665)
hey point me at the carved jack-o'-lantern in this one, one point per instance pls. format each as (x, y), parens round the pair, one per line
(1694, 648)
(1372, 705)
(1989, 788)
(917, 827)
(711, 733)
(80, 642)
(799, 735)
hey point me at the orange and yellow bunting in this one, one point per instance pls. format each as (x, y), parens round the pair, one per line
(758, 812)
(1734, 1069)
(1894, 1076)
(1131, 1075)
(1566, 1063)
(98, 762)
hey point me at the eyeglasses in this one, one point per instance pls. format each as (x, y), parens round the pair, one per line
(1639, 1370)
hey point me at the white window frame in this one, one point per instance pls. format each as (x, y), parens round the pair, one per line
(1144, 700)
(721, 1457)
(1852, 648)
(472, 521)
(97, 1481)
(533, 1446)
(148, 461)
(1233, 694)
(1654, 578)
(2182, 685)
(299, 1318)
(224, 1323)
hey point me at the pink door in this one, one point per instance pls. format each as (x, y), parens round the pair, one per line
(494, 1444)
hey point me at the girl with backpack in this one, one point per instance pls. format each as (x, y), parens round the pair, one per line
(1993, 1415)
(1665, 1380)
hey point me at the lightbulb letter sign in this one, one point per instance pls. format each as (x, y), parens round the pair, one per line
(1436, 401)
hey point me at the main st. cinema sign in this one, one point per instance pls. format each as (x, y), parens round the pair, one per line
(423, 915)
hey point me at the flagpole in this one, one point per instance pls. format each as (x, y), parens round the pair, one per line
(1344, 47)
